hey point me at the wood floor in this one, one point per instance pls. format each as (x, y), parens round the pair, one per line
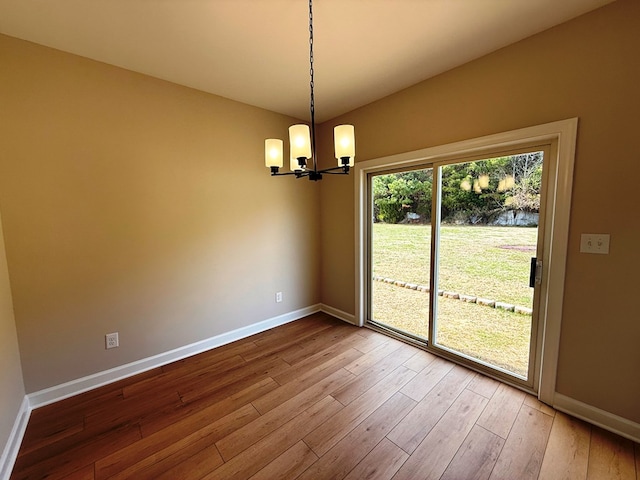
(315, 399)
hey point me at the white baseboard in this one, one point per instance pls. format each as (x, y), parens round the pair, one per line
(10, 452)
(80, 385)
(614, 423)
(347, 317)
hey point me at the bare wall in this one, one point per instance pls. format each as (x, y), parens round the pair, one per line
(135, 205)
(12, 391)
(586, 68)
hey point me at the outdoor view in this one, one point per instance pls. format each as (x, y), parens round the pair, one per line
(488, 234)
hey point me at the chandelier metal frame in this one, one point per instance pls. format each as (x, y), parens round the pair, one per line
(344, 153)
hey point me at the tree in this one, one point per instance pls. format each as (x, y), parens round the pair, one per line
(396, 194)
(527, 173)
(472, 192)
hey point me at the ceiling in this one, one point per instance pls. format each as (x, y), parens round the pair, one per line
(257, 51)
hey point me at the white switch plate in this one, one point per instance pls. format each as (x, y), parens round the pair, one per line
(594, 243)
(278, 297)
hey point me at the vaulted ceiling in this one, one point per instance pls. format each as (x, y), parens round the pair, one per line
(257, 51)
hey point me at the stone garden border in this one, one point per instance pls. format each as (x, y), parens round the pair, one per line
(457, 296)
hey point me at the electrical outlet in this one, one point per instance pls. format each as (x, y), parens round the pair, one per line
(594, 243)
(111, 340)
(278, 297)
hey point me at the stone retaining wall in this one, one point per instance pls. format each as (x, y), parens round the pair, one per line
(458, 296)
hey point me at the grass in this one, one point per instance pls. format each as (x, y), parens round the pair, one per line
(473, 261)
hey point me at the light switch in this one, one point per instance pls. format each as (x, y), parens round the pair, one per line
(594, 243)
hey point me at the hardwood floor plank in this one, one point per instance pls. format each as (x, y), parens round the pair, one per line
(261, 453)
(431, 458)
(289, 390)
(533, 402)
(306, 326)
(381, 463)
(129, 461)
(195, 466)
(87, 402)
(476, 457)
(308, 323)
(211, 396)
(483, 385)
(180, 378)
(289, 465)
(244, 437)
(374, 339)
(372, 375)
(419, 360)
(203, 410)
(426, 379)
(637, 449)
(523, 451)
(47, 418)
(502, 410)
(316, 343)
(372, 358)
(171, 457)
(80, 440)
(210, 358)
(355, 446)
(253, 371)
(332, 431)
(85, 473)
(67, 461)
(418, 423)
(131, 410)
(610, 457)
(282, 340)
(43, 434)
(567, 454)
(294, 352)
(321, 357)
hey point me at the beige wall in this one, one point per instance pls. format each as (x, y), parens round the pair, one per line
(586, 68)
(12, 391)
(135, 205)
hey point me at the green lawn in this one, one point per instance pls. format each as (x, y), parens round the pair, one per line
(474, 261)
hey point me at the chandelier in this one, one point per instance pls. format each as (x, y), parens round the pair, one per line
(302, 140)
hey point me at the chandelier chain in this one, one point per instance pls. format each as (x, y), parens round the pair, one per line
(311, 85)
(298, 135)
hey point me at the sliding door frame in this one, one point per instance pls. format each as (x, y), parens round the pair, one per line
(561, 135)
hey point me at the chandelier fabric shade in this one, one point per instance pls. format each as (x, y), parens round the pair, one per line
(302, 140)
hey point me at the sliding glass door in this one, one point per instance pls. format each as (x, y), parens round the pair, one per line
(401, 250)
(453, 250)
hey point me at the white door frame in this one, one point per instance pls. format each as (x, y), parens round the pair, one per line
(562, 134)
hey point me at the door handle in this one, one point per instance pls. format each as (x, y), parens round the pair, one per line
(532, 272)
(535, 273)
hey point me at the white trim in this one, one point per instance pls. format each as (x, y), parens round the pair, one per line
(557, 229)
(609, 421)
(360, 260)
(80, 385)
(344, 316)
(564, 132)
(10, 452)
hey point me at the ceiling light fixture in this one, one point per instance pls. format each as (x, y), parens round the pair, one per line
(302, 140)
